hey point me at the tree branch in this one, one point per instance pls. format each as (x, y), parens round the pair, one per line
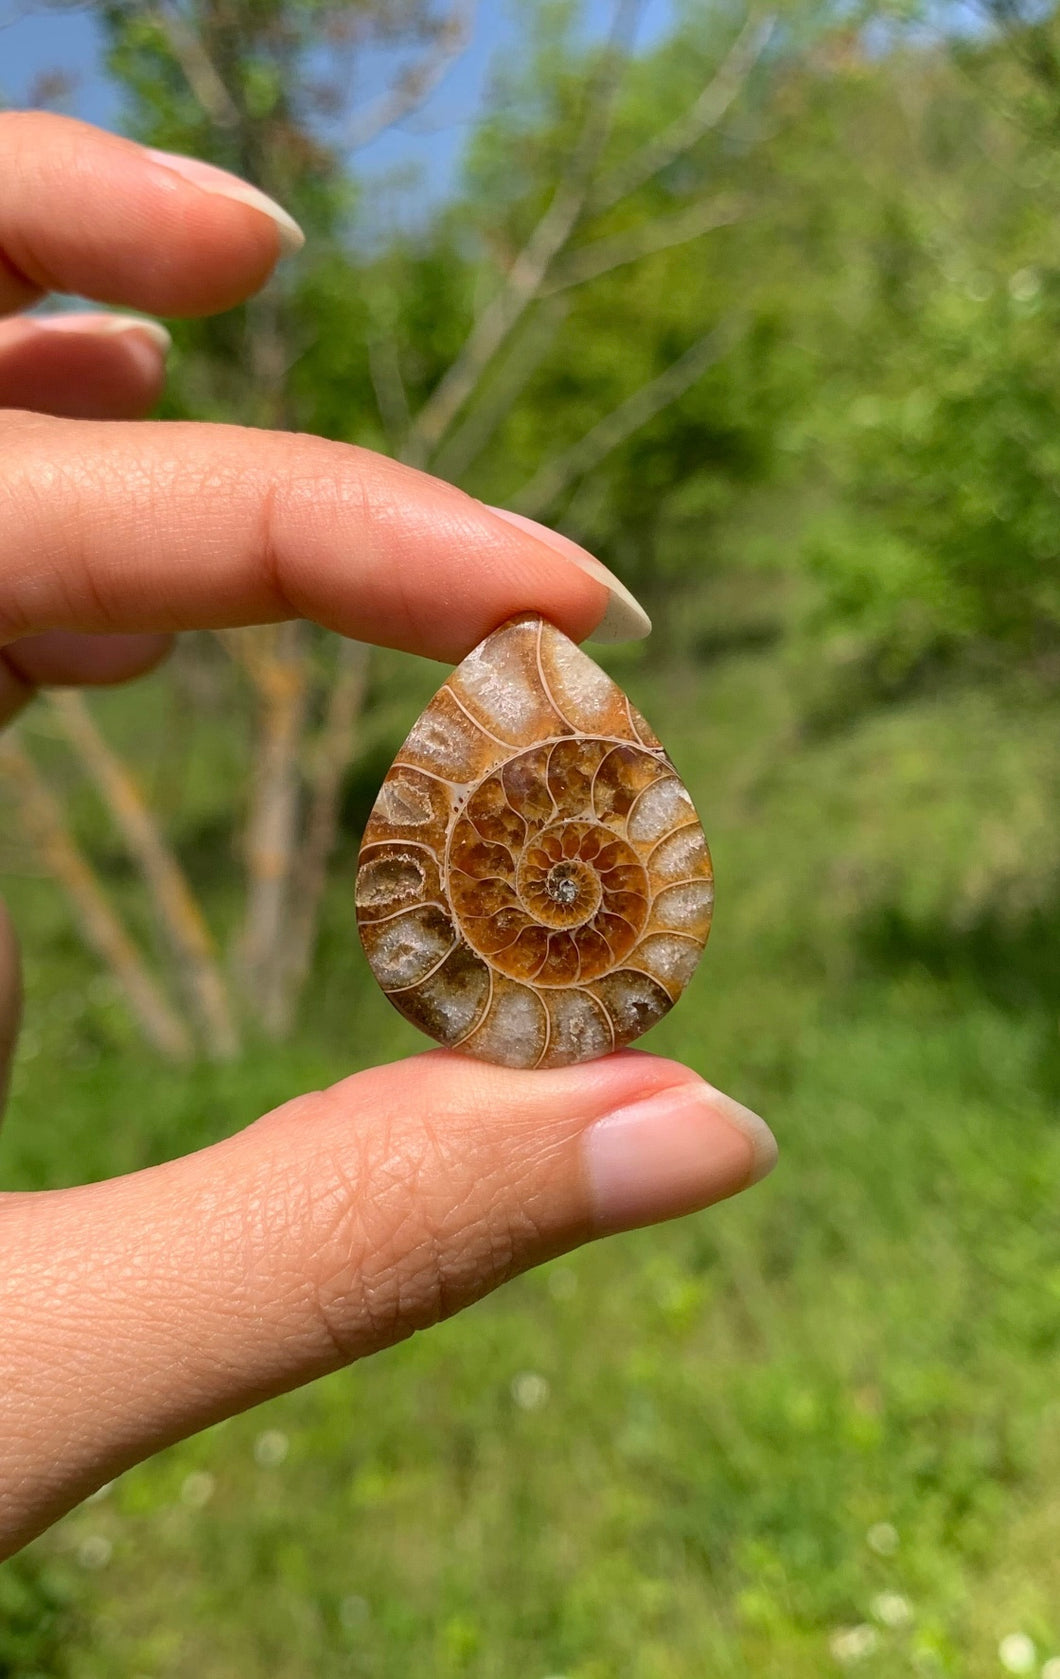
(243, 649)
(415, 86)
(462, 447)
(16, 14)
(272, 826)
(550, 481)
(712, 104)
(196, 65)
(99, 923)
(384, 370)
(179, 917)
(590, 261)
(333, 751)
(523, 280)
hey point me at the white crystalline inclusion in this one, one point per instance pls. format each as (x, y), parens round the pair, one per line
(685, 906)
(503, 697)
(679, 856)
(672, 960)
(578, 1021)
(407, 948)
(514, 1023)
(663, 805)
(586, 692)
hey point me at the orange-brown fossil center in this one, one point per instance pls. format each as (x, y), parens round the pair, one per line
(564, 909)
(556, 880)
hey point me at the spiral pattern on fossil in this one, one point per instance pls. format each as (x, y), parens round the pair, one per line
(534, 887)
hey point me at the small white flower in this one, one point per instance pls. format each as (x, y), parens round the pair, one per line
(562, 1283)
(1017, 1654)
(271, 1448)
(198, 1489)
(95, 1551)
(1024, 285)
(1051, 1670)
(883, 1539)
(891, 1609)
(530, 1391)
(853, 1644)
(353, 1612)
(30, 1044)
(926, 1660)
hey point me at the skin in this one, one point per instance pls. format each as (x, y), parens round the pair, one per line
(140, 1310)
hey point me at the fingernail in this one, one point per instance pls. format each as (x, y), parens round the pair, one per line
(106, 326)
(219, 181)
(625, 619)
(673, 1153)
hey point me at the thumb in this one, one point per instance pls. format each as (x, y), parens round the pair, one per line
(140, 1310)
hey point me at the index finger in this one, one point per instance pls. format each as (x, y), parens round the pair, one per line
(117, 526)
(86, 212)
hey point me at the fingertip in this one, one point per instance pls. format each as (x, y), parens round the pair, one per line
(209, 179)
(623, 618)
(628, 1140)
(83, 366)
(93, 214)
(439, 570)
(676, 1151)
(66, 658)
(654, 1140)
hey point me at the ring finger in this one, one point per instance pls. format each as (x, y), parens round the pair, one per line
(82, 367)
(78, 366)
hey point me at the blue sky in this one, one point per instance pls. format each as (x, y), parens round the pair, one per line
(35, 41)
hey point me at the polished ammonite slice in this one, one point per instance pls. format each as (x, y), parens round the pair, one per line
(534, 887)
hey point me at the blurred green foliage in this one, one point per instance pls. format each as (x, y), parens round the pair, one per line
(719, 1447)
(817, 1428)
(885, 280)
(38, 1619)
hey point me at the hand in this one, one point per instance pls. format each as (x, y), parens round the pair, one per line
(137, 1311)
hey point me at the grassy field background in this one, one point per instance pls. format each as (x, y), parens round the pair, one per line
(817, 1428)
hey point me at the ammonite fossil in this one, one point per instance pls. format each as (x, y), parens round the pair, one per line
(534, 887)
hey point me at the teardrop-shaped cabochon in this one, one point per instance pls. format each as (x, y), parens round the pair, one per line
(533, 887)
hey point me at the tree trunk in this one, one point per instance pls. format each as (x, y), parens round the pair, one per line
(333, 753)
(179, 917)
(272, 829)
(98, 921)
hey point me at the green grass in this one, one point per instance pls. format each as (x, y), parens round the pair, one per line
(698, 1451)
